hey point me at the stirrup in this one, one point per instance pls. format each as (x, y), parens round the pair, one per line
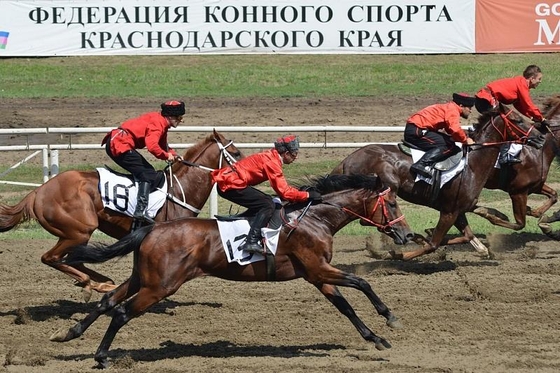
(425, 171)
(254, 248)
(144, 218)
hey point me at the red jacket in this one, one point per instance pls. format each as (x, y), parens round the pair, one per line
(512, 91)
(256, 169)
(441, 117)
(146, 131)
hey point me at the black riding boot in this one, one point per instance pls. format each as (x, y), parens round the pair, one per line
(424, 165)
(251, 245)
(142, 202)
(505, 157)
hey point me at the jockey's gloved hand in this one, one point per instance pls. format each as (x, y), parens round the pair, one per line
(536, 142)
(314, 196)
(544, 128)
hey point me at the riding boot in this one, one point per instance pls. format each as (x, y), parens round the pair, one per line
(251, 244)
(142, 202)
(505, 157)
(423, 166)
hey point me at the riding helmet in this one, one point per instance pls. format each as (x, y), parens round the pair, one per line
(289, 143)
(173, 108)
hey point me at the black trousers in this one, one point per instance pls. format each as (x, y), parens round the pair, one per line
(427, 140)
(251, 198)
(135, 163)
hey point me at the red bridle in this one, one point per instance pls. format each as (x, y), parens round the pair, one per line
(379, 204)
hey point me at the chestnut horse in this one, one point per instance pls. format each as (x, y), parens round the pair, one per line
(69, 206)
(528, 177)
(168, 254)
(456, 197)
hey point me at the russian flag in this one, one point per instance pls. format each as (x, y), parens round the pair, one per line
(4, 39)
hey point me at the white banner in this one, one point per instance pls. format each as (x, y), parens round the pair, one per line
(130, 27)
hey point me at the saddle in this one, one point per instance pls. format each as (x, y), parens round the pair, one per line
(159, 181)
(443, 165)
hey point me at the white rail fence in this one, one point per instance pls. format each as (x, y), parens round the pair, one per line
(50, 156)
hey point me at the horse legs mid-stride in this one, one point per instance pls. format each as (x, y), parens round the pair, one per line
(168, 254)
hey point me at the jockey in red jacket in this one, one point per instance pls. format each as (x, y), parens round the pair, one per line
(146, 131)
(435, 129)
(235, 183)
(513, 91)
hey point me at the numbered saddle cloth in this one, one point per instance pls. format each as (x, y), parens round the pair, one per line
(118, 193)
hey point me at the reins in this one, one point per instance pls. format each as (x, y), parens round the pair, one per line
(508, 124)
(380, 203)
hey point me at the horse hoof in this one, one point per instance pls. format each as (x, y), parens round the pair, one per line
(61, 335)
(382, 345)
(86, 293)
(393, 255)
(105, 287)
(102, 363)
(394, 323)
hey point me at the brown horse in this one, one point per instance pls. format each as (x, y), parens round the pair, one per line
(456, 197)
(69, 206)
(528, 177)
(168, 254)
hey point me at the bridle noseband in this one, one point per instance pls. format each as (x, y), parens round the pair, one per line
(379, 204)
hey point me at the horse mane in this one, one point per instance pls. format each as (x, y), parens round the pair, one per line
(194, 150)
(551, 105)
(484, 118)
(334, 183)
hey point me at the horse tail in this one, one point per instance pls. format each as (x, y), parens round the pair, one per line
(12, 216)
(99, 253)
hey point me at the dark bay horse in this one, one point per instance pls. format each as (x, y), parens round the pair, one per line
(69, 206)
(168, 254)
(528, 177)
(456, 197)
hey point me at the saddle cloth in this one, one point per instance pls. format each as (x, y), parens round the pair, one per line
(118, 193)
(446, 176)
(233, 234)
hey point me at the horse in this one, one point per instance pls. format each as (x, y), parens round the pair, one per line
(455, 198)
(70, 207)
(168, 254)
(528, 177)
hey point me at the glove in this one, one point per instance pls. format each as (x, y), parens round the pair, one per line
(314, 196)
(536, 142)
(544, 127)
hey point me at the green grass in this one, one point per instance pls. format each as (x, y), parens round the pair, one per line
(403, 77)
(265, 75)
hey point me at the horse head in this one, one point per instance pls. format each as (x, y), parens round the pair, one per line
(365, 197)
(501, 125)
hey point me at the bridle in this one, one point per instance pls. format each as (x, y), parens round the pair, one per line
(224, 154)
(519, 134)
(380, 205)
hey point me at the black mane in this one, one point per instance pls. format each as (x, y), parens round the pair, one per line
(333, 183)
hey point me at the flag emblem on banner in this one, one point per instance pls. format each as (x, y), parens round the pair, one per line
(4, 39)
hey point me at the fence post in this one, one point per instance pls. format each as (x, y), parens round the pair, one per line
(213, 202)
(55, 169)
(45, 152)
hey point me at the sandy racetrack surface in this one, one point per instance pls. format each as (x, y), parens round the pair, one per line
(460, 313)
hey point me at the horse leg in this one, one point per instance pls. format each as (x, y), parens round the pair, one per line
(552, 196)
(109, 301)
(446, 220)
(519, 205)
(144, 299)
(336, 298)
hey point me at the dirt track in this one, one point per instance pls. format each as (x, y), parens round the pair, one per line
(461, 313)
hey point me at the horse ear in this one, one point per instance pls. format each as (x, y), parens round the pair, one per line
(378, 182)
(215, 133)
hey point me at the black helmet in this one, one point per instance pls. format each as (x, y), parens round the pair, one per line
(173, 109)
(463, 99)
(289, 143)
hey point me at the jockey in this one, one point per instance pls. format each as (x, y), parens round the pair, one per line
(146, 131)
(425, 130)
(236, 184)
(513, 91)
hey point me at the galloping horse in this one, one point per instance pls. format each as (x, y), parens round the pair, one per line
(456, 197)
(70, 207)
(168, 254)
(528, 177)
